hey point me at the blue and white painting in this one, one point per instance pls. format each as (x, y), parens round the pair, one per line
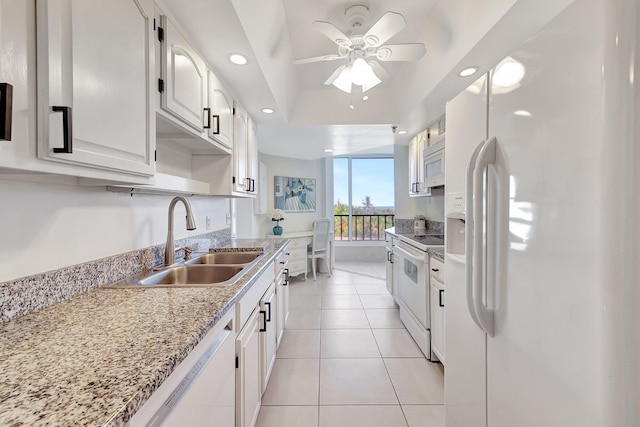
(295, 194)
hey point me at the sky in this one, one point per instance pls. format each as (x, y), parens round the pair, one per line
(371, 177)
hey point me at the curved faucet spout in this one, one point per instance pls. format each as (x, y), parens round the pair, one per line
(169, 253)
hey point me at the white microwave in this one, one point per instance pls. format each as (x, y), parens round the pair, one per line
(433, 164)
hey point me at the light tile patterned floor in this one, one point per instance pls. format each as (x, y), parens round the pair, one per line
(347, 360)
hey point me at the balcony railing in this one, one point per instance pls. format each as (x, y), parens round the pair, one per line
(363, 226)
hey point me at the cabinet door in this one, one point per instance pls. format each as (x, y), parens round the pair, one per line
(95, 84)
(269, 313)
(248, 386)
(220, 102)
(437, 318)
(240, 133)
(184, 75)
(413, 164)
(252, 157)
(389, 271)
(282, 292)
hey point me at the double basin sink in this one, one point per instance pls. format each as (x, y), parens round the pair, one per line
(211, 269)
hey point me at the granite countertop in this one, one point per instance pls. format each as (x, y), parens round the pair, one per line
(437, 251)
(96, 358)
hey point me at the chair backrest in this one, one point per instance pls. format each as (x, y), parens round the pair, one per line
(320, 240)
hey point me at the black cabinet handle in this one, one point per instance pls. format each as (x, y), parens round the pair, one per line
(6, 111)
(252, 186)
(207, 112)
(67, 130)
(282, 262)
(269, 314)
(286, 277)
(216, 117)
(287, 254)
(434, 269)
(264, 317)
(440, 292)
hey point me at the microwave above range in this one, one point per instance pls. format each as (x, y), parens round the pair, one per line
(433, 163)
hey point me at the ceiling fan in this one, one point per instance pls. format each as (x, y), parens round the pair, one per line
(362, 51)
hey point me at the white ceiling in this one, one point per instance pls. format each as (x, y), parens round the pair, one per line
(311, 116)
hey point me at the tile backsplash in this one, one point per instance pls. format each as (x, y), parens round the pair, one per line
(405, 226)
(21, 296)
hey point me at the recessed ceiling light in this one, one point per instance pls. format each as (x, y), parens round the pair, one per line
(402, 132)
(468, 72)
(365, 98)
(351, 106)
(522, 113)
(268, 110)
(328, 150)
(237, 59)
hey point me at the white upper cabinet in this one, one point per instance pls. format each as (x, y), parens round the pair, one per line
(252, 158)
(416, 167)
(95, 83)
(183, 77)
(219, 119)
(242, 181)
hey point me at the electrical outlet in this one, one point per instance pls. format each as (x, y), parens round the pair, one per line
(208, 222)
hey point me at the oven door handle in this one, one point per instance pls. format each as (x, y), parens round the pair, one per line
(410, 255)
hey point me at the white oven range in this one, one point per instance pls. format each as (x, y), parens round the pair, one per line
(413, 284)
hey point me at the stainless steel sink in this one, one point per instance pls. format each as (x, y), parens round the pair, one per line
(227, 258)
(212, 269)
(194, 275)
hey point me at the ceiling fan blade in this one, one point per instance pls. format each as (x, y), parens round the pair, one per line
(341, 78)
(388, 26)
(329, 30)
(380, 72)
(400, 52)
(317, 59)
(332, 78)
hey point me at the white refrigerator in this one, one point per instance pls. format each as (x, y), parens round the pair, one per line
(542, 284)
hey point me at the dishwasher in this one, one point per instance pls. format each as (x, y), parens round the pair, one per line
(201, 390)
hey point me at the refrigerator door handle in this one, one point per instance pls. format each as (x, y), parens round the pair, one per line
(486, 157)
(469, 234)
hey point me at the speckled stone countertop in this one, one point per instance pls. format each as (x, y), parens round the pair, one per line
(95, 359)
(437, 252)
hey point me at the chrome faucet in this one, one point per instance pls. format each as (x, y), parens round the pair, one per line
(169, 252)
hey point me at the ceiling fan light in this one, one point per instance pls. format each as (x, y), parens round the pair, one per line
(361, 72)
(343, 82)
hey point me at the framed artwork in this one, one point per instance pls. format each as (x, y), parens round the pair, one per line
(295, 194)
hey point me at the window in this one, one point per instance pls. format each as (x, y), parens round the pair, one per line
(363, 197)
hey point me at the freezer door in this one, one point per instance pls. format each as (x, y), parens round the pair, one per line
(465, 381)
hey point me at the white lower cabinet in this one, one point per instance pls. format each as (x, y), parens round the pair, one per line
(248, 384)
(200, 391)
(436, 277)
(282, 292)
(268, 310)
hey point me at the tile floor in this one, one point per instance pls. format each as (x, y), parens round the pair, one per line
(347, 360)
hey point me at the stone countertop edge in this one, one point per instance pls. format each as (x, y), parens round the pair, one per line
(436, 252)
(63, 366)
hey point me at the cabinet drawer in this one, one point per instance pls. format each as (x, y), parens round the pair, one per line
(297, 267)
(436, 269)
(298, 243)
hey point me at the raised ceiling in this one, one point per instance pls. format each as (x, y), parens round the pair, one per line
(310, 116)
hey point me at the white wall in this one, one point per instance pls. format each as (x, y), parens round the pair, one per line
(251, 225)
(46, 226)
(407, 207)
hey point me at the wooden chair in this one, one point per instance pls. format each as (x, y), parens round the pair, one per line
(319, 247)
